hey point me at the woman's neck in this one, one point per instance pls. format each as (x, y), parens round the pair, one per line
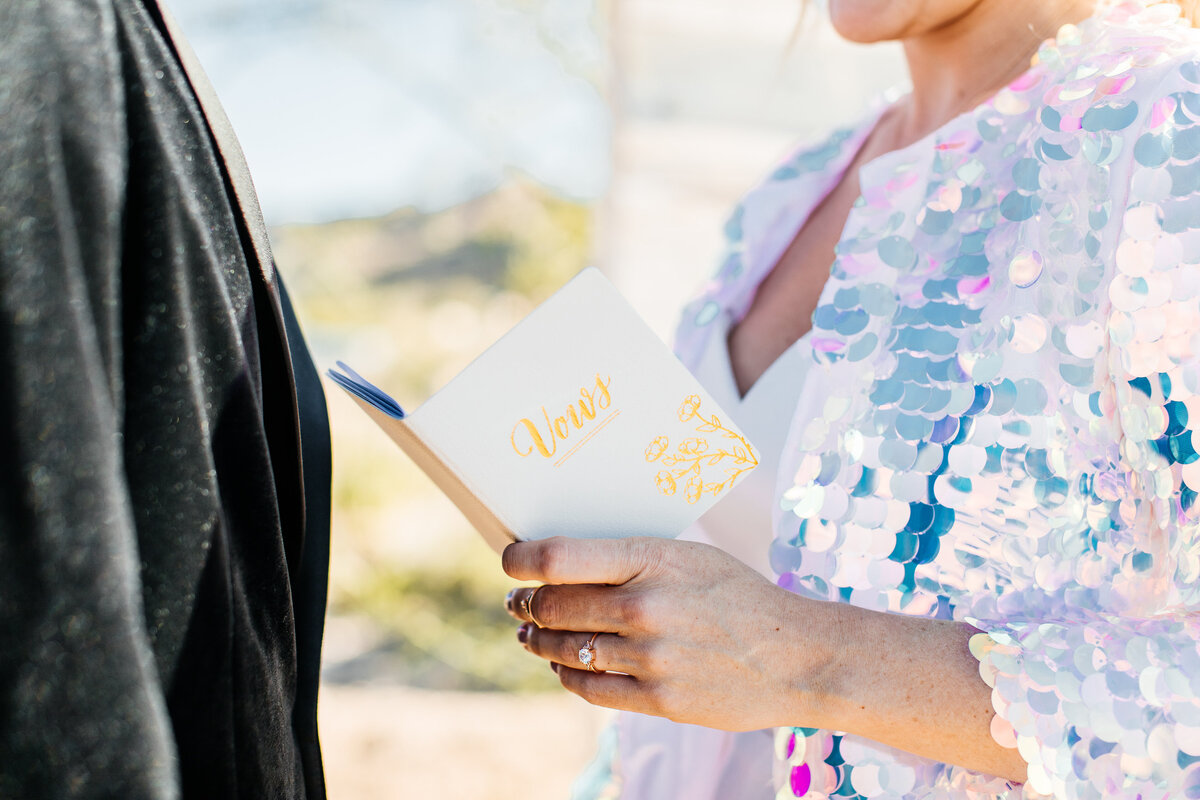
(962, 63)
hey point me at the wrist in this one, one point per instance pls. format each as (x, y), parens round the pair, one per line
(819, 659)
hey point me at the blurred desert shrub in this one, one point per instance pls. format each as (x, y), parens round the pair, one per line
(408, 300)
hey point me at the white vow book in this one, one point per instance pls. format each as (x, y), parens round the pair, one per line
(578, 422)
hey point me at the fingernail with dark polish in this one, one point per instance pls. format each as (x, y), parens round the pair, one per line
(508, 599)
(554, 667)
(523, 633)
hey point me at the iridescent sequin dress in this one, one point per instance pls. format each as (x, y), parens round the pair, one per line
(998, 427)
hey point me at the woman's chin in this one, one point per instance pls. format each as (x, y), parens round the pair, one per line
(864, 22)
(871, 21)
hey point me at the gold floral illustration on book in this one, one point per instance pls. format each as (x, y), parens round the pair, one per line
(697, 462)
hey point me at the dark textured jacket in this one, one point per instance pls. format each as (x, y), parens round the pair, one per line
(162, 553)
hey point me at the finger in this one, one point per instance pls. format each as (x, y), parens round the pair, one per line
(609, 651)
(575, 607)
(520, 603)
(608, 689)
(562, 560)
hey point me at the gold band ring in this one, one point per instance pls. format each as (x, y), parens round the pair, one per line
(587, 653)
(527, 606)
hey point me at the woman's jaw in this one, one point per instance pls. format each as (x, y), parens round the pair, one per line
(870, 21)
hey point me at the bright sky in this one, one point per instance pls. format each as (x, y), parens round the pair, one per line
(350, 108)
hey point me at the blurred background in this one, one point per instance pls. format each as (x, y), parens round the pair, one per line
(431, 170)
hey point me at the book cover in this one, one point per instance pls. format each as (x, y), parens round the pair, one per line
(577, 422)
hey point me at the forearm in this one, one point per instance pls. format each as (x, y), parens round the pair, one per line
(907, 682)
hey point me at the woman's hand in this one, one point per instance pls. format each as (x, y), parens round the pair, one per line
(685, 631)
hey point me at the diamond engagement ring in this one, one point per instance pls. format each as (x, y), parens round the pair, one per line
(587, 653)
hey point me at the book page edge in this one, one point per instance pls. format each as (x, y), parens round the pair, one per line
(494, 531)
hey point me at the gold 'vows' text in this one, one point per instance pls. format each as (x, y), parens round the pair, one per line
(529, 437)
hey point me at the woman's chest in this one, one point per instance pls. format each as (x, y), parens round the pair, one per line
(783, 305)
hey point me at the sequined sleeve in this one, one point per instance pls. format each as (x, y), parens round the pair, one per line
(1106, 703)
